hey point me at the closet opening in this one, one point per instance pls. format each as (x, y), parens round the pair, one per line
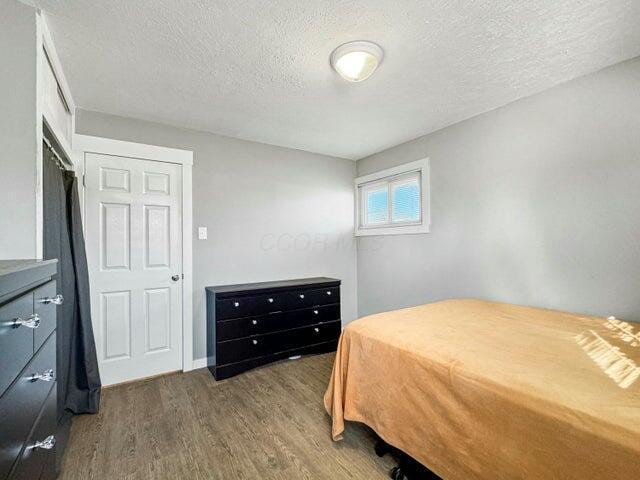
(77, 375)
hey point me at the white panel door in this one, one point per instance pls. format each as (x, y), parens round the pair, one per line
(134, 249)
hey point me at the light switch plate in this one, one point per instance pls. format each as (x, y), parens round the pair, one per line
(202, 233)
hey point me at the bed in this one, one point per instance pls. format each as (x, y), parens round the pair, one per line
(482, 390)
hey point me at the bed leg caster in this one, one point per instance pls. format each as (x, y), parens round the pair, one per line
(396, 474)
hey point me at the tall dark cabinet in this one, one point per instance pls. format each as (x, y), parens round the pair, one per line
(28, 387)
(254, 324)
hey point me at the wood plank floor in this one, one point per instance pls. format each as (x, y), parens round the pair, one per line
(265, 424)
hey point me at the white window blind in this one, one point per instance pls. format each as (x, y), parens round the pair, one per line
(393, 201)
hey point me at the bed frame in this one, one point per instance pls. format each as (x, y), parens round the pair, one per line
(407, 468)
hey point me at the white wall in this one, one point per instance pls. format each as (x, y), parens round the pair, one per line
(18, 127)
(272, 213)
(537, 203)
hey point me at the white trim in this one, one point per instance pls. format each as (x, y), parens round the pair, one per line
(49, 46)
(107, 146)
(187, 265)
(390, 172)
(396, 230)
(39, 193)
(44, 43)
(199, 363)
(421, 166)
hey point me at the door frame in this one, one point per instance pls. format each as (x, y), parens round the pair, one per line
(107, 146)
(46, 48)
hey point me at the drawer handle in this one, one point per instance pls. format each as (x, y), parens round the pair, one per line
(46, 444)
(32, 322)
(46, 376)
(236, 304)
(316, 312)
(255, 342)
(270, 300)
(328, 292)
(57, 300)
(301, 295)
(254, 322)
(317, 330)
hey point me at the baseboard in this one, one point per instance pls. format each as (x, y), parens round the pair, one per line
(199, 363)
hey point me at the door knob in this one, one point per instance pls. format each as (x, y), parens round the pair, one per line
(175, 278)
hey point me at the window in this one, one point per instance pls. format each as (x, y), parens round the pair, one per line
(394, 201)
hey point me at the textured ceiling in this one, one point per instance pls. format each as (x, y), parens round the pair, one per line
(259, 70)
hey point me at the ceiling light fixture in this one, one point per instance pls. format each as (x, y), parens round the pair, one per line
(356, 61)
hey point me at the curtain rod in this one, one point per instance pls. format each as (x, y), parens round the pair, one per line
(60, 161)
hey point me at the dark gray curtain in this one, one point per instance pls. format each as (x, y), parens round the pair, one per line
(77, 370)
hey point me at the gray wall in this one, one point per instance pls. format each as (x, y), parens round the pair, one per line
(272, 213)
(536, 203)
(18, 144)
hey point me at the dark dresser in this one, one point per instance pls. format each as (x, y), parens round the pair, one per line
(257, 323)
(28, 418)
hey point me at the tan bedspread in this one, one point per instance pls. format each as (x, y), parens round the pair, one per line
(482, 390)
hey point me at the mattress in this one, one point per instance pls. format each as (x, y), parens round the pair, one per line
(482, 390)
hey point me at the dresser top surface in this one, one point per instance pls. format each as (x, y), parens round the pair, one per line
(13, 266)
(15, 274)
(281, 284)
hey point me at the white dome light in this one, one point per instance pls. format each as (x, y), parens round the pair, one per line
(356, 61)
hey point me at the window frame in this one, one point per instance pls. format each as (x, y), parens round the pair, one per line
(386, 177)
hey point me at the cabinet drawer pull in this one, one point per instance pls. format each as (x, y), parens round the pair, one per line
(57, 300)
(316, 329)
(32, 322)
(315, 312)
(301, 295)
(236, 304)
(254, 322)
(255, 342)
(328, 292)
(46, 444)
(46, 376)
(270, 300)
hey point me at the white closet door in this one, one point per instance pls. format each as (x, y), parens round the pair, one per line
(134, 250)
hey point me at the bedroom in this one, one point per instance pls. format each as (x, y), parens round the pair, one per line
(461, 224)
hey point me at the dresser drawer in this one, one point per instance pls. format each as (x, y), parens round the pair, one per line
(246, 306)
(238, 328)
(225, 371)
(324, 313)
(251, 347)
(19, 406)
(233, 351)
(45, 308)
(318, 333)
(16, 341)
(311, 298)
(325, 296)
(38, 460)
